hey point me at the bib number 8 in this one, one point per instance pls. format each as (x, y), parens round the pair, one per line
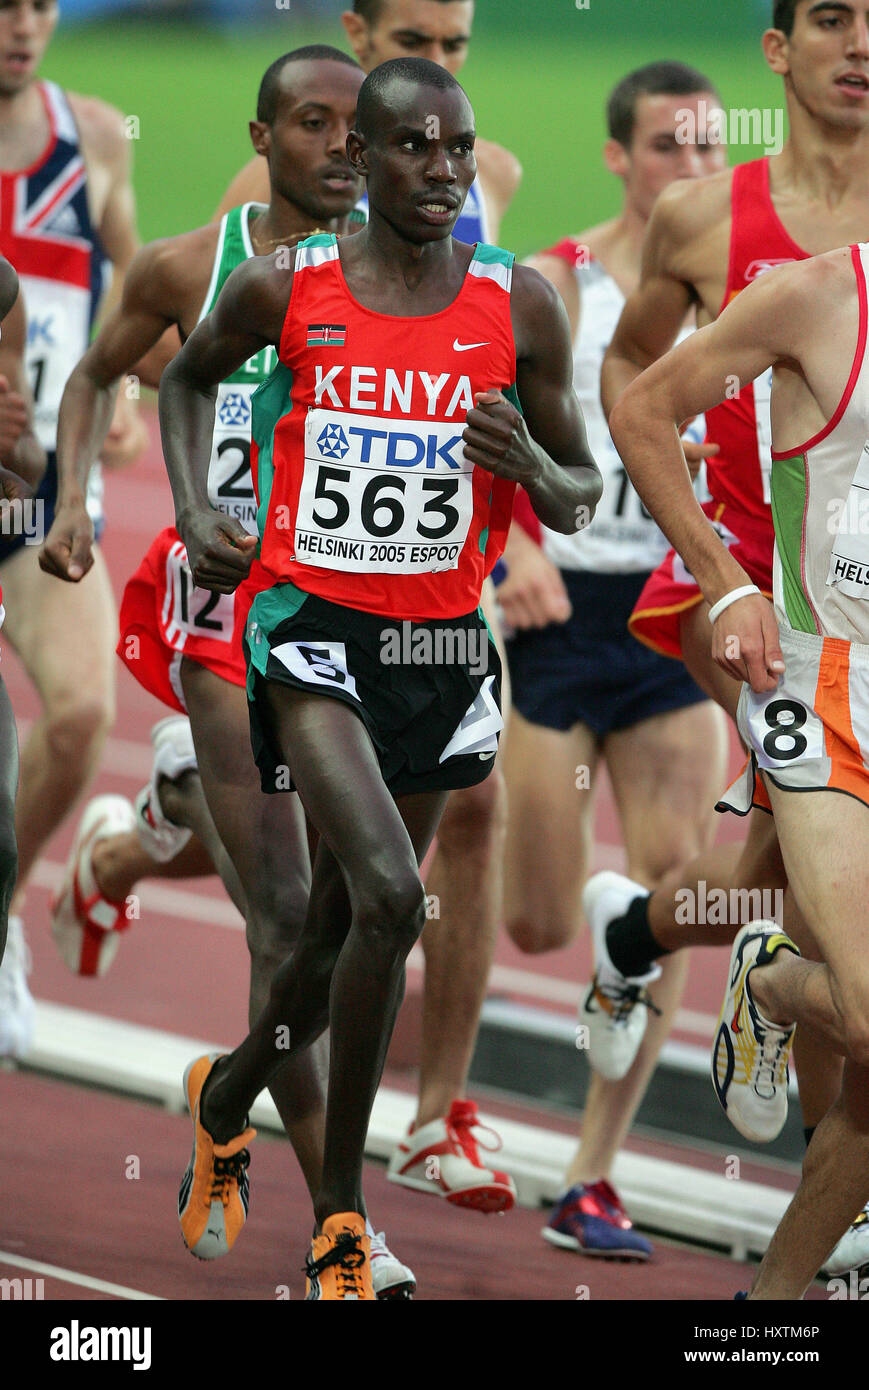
(784, 742)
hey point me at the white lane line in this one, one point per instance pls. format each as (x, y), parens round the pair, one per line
(85, 1281)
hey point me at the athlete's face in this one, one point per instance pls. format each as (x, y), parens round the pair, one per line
(306, 145)
(413, 29)
(825, 62)
(656, 157)
(26, 27)
(421, 163)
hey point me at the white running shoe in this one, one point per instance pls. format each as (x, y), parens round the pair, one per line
(853, 1249)
(17, 1010)
(391, 1279)
(443, 1158)
(750, 1054)
(174, 754)
(85, 924)
(615, 1010)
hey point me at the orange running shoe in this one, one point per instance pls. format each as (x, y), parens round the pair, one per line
(214, 1195)
(339, 1265)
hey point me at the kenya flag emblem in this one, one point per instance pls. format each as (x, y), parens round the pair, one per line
(326, 334)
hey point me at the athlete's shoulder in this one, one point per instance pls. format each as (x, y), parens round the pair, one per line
(535, 300)
(103, 129)
(497, 167)
(690, 206)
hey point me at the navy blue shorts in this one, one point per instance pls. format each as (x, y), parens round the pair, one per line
(590, 670)
(46, 494)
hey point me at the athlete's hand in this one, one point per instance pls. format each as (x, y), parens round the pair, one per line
(533, 594)
(745, 643)
(14, 417)
(127, 438)
(496, 438)
(696, 450)
(219, 550)
(67, 552)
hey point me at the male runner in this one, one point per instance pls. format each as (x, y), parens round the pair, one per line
(20, 471)
(804, 713)
(584, 690)
(66, 214)
(706, 242)
(184, 643)
(465, 876)
(379, 516)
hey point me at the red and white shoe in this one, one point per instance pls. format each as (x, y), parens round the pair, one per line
(443, 1158)
(85, 924)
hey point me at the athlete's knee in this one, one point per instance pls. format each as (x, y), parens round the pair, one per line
(77, 725)
(389, 908)
(275, 917)
(535, 933)
(475, 818)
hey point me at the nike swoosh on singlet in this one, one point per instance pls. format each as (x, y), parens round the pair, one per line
(466, 347)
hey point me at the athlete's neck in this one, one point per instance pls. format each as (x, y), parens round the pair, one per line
(820, 161)
(399, 260)
(21, 108)
(283, 222)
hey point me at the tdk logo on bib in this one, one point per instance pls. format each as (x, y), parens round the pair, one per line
(234, 412)
(332, 443)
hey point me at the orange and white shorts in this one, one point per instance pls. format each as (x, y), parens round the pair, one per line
(812, 732)
(165, 617)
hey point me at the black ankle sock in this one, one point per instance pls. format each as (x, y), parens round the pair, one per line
(807, 1134)
(632, 948)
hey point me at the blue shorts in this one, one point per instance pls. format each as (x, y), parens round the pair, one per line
(590, 670)
(46, 494)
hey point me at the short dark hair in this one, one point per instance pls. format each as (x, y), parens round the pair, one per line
(653, 80)
(783, 15)
(269, 88)
(418, 70)
(371, 10)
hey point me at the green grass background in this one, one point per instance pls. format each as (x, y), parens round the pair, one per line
(538, 75)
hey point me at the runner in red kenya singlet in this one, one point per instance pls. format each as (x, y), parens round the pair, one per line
(811, 197)
(387, 455)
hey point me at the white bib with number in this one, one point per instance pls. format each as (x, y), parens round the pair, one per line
(230, 484)
(383, 496)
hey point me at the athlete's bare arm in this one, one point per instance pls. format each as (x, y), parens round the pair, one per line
(166, 282)
(107, 154)
(20, 450)
(769, 323)
(544, 448)
(685, 255)
(248, 316)
(500, 174)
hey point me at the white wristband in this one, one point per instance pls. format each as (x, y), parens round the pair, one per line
(735, 594)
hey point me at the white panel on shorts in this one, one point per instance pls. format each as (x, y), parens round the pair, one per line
(318, 663)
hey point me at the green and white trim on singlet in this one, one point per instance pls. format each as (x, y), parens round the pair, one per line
(820, 509)
(230, 486)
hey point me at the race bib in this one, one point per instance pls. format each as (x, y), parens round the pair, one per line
(762, 394)
(230, 484)
(383, 496)
(192, 612)
(58, 324)
(779, 729)
(849, 561)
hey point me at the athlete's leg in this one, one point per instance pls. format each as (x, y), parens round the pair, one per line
(264, 838)
(119, 863)
(824, 839)
(8, 789)
(63, 634)
(366, 910)
(466, 879)
(665, 774)
(550, 784)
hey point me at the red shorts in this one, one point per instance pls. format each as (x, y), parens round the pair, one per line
(164, 616)
(671, 590)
